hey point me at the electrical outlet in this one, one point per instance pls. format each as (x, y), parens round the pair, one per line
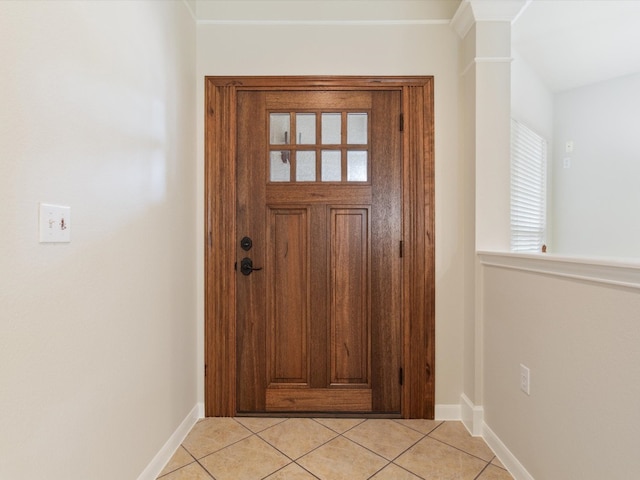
(525, 379)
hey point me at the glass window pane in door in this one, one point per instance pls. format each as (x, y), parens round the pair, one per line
(357, 128)
(280, 166)
(356, 166)
(331, 166)
(306, 128)
(331, 128)
(306, 166)
(279, 128)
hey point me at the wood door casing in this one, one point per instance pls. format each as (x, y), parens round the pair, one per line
(415, 299)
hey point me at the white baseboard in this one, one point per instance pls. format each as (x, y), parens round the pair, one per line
(448, 412)
(472, 416)
(175, 440)
(507, 458)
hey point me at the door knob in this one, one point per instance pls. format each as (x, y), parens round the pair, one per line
(246, 266)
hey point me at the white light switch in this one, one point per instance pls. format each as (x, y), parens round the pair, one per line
(55, 223)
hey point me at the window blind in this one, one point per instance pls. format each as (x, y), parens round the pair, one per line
(528, 189)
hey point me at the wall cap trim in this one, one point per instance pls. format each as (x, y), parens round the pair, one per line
(608, 271)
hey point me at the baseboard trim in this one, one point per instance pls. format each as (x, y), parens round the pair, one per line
(448, 412)
(175, 440)
(472, 416)
(505, 456)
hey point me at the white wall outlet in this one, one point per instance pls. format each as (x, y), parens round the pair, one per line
(55, 223)
(525, 379)
(566, 162)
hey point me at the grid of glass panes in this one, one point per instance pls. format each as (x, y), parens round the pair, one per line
(319, 147)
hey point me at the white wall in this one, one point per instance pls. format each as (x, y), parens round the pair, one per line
(580, 340)
(97, 337)
(596, 199)
(531, 100)
(331, 48)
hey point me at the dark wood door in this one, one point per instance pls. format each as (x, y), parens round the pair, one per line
(318, 319)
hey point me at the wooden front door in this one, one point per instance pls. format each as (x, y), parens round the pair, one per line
(330, 305)
(319, 208)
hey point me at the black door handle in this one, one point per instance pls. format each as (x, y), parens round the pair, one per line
(246, 266)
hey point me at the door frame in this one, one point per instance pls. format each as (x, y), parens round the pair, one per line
(417, 248)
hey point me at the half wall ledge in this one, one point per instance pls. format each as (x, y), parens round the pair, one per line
(608, 271)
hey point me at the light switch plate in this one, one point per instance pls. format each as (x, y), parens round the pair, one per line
(55, 223)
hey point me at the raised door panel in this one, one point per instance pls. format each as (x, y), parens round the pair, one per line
(350, 296)
(288, 298)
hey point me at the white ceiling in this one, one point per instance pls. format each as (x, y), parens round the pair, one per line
(571, 43)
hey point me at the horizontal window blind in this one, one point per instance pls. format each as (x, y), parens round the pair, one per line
(528, 189)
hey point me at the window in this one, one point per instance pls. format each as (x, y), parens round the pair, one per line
(337, 151)
(528, 189)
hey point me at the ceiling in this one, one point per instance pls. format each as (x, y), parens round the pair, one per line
(572, 43)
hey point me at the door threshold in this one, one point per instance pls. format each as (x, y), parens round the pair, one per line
(363, 415)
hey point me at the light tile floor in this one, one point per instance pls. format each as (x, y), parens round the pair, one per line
(250, 448)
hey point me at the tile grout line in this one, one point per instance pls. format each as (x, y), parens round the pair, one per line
(399, 422)
(400, 467)
(337, 434)
(397, 456)
(481, 472)
(307, 470)
(340, 433)
(389, 462)
(495, 457)
(205, 469)
(283, 420)
(461, 450)
(182, 466)
(220, 449)
(293, 461)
